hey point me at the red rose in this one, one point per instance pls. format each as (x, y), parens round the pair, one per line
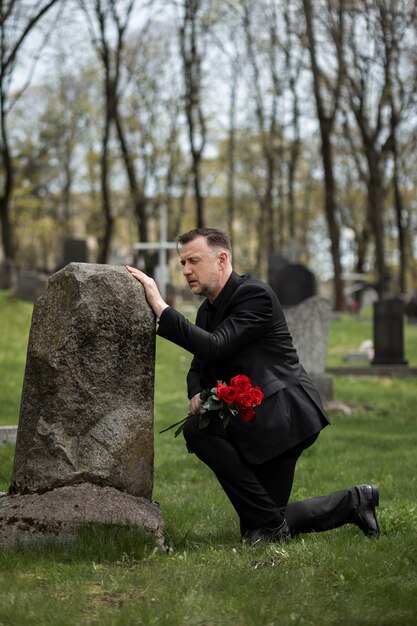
(219, 391)
(241, 382)
(245, 399)
(247, 413)
(227, 394)
(257, 395)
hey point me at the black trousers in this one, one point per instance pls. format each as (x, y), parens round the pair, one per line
(260, 493)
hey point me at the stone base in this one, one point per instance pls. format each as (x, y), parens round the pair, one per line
(31, 518)
(324, 385)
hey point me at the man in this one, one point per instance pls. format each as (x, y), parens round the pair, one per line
(241, 329)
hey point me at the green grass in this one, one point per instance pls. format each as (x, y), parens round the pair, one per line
(15, 318)
(113, 576)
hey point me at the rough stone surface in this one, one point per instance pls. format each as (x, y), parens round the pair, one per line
(58, 513)
(86, 413)
(308, 323)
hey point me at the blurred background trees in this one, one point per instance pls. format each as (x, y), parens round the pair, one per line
(292, 124)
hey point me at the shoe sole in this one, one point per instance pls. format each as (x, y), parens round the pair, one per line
(375, 495)
(375, 502)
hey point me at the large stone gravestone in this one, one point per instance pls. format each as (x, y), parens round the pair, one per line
(84, 449)
(308, 324)
(308, 318)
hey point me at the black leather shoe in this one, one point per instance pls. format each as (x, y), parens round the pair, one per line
(365, 514)
(268, 533)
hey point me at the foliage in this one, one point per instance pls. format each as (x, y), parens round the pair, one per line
(232, 121)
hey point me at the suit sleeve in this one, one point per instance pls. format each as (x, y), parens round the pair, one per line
(249, 316)
(194, 378)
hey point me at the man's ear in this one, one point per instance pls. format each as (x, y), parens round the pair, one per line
(223, 259)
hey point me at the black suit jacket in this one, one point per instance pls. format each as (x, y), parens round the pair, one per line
(248, 334)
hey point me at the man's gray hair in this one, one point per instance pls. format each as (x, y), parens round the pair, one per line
(215, 238)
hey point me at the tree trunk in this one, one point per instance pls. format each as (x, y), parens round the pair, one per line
(136, 191)
(376, 212)
(231, 159)
(362, 243)
(5, 197)
(399, 208)
(106, 236)
(398, 204)
(330, 210)
(198, 195)
(191, 60)
(326, 123)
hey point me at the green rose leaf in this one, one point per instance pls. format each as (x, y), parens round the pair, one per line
(212, 404)
(205, 395)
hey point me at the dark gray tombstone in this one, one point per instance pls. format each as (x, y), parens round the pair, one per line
(389, 332)
(293, 284)
(276, 263)
(75, 251)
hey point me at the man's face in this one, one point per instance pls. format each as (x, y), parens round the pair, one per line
(202, 268)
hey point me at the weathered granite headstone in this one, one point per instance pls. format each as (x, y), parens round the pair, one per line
(308, 318)
(308, 324)
(86, 417)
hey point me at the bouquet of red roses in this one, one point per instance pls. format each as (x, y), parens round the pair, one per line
(224, 401)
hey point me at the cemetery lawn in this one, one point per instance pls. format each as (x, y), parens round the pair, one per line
(113, 576)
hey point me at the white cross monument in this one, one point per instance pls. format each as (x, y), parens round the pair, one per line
(161, 270)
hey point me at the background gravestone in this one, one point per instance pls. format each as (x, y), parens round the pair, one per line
(86, 416)
(389, 332)
(308, 324)
(307, 316)
(276, 263)
(75, 250)
(30, 285)
(293, 284)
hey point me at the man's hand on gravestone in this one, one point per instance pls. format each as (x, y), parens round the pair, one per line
(153, 296)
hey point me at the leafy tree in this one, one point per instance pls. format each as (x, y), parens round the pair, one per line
(18, 18)
(327, 70)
